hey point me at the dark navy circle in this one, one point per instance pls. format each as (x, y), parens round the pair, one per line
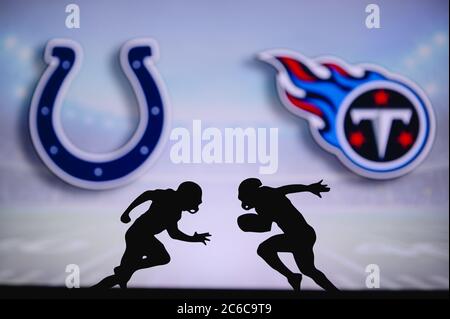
(402, 136)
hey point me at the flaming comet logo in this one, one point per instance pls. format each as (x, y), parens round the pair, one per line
(380, 125)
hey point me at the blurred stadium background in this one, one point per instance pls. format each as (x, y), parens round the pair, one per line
(208, 64)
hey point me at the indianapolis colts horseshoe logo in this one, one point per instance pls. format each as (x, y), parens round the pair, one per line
(99, 171)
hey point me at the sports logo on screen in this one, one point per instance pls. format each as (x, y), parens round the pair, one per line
(380, 125)
(89, 170)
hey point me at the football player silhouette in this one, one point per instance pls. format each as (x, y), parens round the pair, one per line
(272, 205)
(143, 250)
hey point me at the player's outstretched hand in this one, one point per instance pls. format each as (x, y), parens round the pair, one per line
(318, 188)
(201, 238)
(125, 218)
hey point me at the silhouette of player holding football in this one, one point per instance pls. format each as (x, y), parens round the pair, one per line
(143, 250)
(272, 205)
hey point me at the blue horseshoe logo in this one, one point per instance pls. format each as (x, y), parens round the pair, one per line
(89, 170)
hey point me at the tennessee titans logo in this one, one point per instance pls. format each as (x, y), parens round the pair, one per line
(89, 170)
(380, 125)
